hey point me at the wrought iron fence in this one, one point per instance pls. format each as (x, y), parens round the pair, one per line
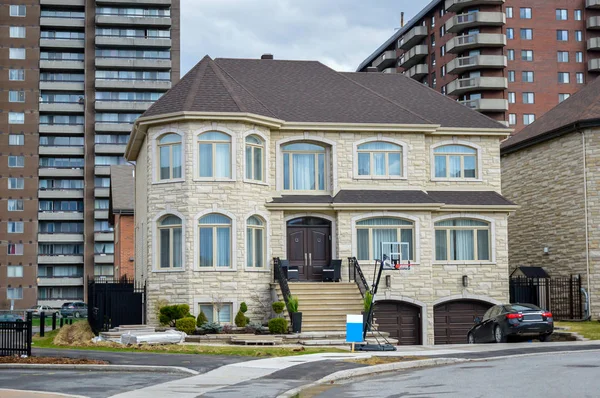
(561, 295)
(113, 302)
(15, 337)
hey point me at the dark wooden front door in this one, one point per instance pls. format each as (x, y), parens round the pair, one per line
(309, 248)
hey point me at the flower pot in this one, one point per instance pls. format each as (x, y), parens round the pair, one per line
(296, 322)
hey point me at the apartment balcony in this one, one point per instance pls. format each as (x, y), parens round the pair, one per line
(122, 106)
(60, 216)
(592, 3)
(129, 63)
(593, 44)
(101, 192)
(462, 86)
(593, 23)
(70, 129)
(61, 107)
(61, 150)
(62, 43)
(61, 22)
(464, 64)
(110, 149)
(102, 170)
(115, 41)
(62, 86)
(413, 37)
(458, 5)
(594, 65)
(413, 56)
(156, 85)
(463, 43)
(418, 71)
(62, 259)
(487, 105)
(104, 236)
(104, 259)
(386, 59)
(59, 172)
(122, 20)
(59, 282)
(101, 214)
(61, 65)
(389, 70)
(113, 127)
(59, 194)
(475, 19)
(60, 238)
(71, 3)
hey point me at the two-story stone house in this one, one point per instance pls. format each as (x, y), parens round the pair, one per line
(245, 160)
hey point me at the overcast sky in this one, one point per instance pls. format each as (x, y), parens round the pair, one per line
(338, 33)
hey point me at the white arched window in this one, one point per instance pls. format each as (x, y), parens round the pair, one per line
(304, 167)
(462, 239)
(214, 155)
(170, 246)
(214, 231)
(169, 153)
(255, 242)
(372, 232)
(455, 161)
(255, 158)
(379, 159)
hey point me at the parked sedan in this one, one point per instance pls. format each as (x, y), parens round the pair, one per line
(77, 310)
(510, 320)
(37, 309)
(10, 318)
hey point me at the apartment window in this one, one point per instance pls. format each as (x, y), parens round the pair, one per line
(442, 30)
(379, 159)
(304, 167)
(16, 183)
(18, 11)
(525, 13)
(527, 76)
(579, 78)
(16, 139)
(433, 59)
(579, 57)
(512, 98)
(562, 15)
(433, 21)
(215, 241)
(171, 243)
(562, 97)
(455, 161)
(15, 205)
(527, 55)
(15, 227)
(511, 76)
(17, 32)
(15, 271)
(577, 15)
(442, 50)
(442, 11)
(104, 248)
(16, 96)
(16, 75)
(444, 89)
(16, 161)
(563, 77)
(218, 313)
(255, 242)
(509, 12)
(562, 35)
(528, 118)
(255, 149)
(16, 118)
(432, 39)
(510, 33)
(462, 240)
(512, 119)
(15, 249)
(528, 98)
(14, 293)
(16, 53)
(510, 54)
(578, 35)
(526, 34)
(169, 152)
(443, 70)
(101, 204)
(563, 56)
(214, 155)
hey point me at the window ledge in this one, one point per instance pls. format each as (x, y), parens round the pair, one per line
(160, 271)
(457, 179)
(199, 269)
(255, 182)
(356, 177)
(466, 263)
(263, 271)
(198, 179)
(168, 181)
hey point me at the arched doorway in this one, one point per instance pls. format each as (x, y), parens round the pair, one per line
(453, 319)
(400, 319)
(309, 246)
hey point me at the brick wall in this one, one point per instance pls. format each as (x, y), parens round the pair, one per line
(124, 245)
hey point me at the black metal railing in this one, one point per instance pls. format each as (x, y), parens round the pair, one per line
(355, 271)
(15, 337)
(114, 301)
(283, 284)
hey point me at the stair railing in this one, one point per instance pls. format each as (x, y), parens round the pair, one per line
(283, 284)
(359, 277)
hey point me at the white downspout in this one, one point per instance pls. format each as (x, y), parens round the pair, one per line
(587, 242)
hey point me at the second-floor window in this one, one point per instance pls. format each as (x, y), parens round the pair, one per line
(455, 161)
(255, 149)
(379, 159)
(304, 167)
(214, 155)
(169, 151)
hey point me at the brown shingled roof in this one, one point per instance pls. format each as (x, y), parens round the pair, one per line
(581, 107)
(121, 189)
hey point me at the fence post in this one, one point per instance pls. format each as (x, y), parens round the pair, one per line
(571, 298)
(29, 332)
(61, 321)
(42, 323)
(54, 321)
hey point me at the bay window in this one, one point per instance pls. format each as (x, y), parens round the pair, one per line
(170, 242)
(169, 152)
(214, 155)
(214, 231)
(255, 149)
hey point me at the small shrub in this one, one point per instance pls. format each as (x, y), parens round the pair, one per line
(201, 320)
(240, 319)
(278, 325)
(243, 307)
(247, 320)
(278, 307)
(212, 328)
(171, 313)
(367, 301)
(292, 304)
(228, 329)
(186, 325)
(253, 327)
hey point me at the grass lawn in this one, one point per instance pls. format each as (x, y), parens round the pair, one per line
(588, 329)
(36, 321)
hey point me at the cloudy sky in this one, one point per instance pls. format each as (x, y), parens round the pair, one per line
(338, 33)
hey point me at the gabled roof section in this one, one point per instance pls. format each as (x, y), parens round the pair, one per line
(121, 189)
(580, 110)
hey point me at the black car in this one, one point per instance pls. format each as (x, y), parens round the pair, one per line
(510, 320)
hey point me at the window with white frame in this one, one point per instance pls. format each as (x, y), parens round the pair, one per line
(16, 53)
(512, 97)
(563, 56)
(18, 10)
(527, 55)
(371, 233)
(304, 167)
(579, 56)
(170, 243)
(16, 139)
(14, 249)
(15, 227)
(511, 76)
(525, 12)
(512, 119)
(510, 33)
(214, 231)
(462, 240)
(528, 118)
(526, 34)
(527, 76)
(16, 183)
(578, 35)
(255, 242)
(563, 77)
(15, 205)
(16, 161)
(510, 55)
(379, 159)
(15, 271)
(562, 14)
(528, 98)
(577, 15)
(17, 32)
(14, 293)
(562, 35)
(16, 118)
(255, 158)
(169, 152)
(16, 75)
(455, 161)
(579, 77)
(214, 155)
(563, 96)
(16, 96)
(217, 312)
(509, 12)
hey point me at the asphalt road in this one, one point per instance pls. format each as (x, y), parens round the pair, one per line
(544, 376)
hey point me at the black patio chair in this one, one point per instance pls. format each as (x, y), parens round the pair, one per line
(291, 272)
(333, 272)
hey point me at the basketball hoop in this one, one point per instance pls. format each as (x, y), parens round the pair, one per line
(396, 256)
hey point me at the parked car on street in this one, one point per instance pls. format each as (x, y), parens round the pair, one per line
(511, 320)
(76, 309)
(11, 318)
(37, 309)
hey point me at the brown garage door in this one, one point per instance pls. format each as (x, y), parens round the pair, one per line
(401, 320)
(453, 319)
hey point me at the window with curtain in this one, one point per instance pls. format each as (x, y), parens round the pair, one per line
(379, 159)
(169, 152)
(214, 155)
(255, 149)
(220, 313)
(303, 167)
(170, 242)
(455, 161)
(462, 240)
(371, 233)
(215, 241)
(255, 242)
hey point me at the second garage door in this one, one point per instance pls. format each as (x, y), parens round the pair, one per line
(401, 320)
(453, 319)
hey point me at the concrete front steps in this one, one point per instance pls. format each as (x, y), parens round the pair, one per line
(324, 305)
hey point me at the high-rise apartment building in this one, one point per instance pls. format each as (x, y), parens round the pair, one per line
(512, 60)
(74, 75)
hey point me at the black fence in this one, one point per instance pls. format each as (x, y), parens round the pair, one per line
(560, 295)
(115, 302)
(15, 337)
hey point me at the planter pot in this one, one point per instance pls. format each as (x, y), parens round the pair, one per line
(297, 322)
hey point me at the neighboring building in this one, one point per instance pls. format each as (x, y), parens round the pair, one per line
(75, 75)
(246, 160)
(512, 60)
(121, 215)
(551, 169)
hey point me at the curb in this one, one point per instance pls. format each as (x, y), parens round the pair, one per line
(105, 368)
(42, 393)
